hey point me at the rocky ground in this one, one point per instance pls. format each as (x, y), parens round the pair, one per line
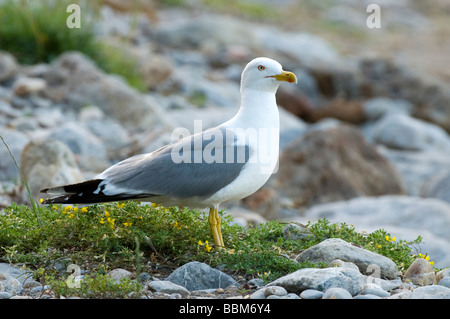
(363, 275)
(364, 136)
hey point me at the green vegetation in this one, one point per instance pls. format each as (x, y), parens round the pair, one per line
(148, 238)
(36, 32)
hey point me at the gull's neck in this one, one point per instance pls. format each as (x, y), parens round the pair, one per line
(258, 109)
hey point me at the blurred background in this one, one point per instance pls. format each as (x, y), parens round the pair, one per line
(364, 135)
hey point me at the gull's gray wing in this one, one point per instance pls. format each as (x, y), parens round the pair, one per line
(196, 166)
(199, 165)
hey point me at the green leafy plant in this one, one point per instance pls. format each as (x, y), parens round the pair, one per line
(36, 32)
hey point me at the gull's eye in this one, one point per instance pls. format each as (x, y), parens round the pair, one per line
(261, 67)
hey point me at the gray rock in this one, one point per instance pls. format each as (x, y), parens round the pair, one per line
(48, 163)
(386, 285)
(368, 296)
(118, 274)
(445, 282)
(380, 107)
(16, 141)
(256, 282)
(272, 292)
(198, 276)
(10, 284)
(258, 294)
(442, 274)
(426, 292)
(401, 131)
(74, 78)
(26, 85)
(296, 232)
(438, 186)
(23, 276)
(335, 248)
(373, 289)
(89, 149)
(5, 295)
(334, 164)
(417, 169)
(275, 290)
(321, 279)
(345, 264)
(113, 136)
(311, 294)
(316, 52)
(420, 272)
(168, 287)
(403, 216)
(8, 66)
(336, 293)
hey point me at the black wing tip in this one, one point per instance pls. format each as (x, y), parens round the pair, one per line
(83, 193)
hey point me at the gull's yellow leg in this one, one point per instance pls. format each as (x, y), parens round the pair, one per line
(214, 224)
(219, 231)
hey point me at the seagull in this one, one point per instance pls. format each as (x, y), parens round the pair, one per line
(221, 164)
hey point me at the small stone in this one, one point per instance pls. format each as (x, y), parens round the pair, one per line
(336, 248)
(336, 293)
(373, 289)
(167, 287)
(321, 279)
(296, 232)
(445, 282)
(10, 284)
(443, 273)
(197, 276)
(275, 290)
(258, 294)
(311, 294)
(144, 277)
(420, 272)
(256, 282)
(291, 296)
(368, 296)
(8, 66)
(341, 263)
(24, 86)
(5, 295)
(426, 292)
(118, 274)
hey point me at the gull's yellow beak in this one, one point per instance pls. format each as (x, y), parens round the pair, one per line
(286, 76)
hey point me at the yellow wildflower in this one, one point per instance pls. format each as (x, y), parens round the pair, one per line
(70, 215)
(390, 238)
(120, 205)
(127, 224)
(177, 226)
(111, 222)
(106, 213)
(41, 200)
(102, 220)
(84, 210)
(207, 247)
